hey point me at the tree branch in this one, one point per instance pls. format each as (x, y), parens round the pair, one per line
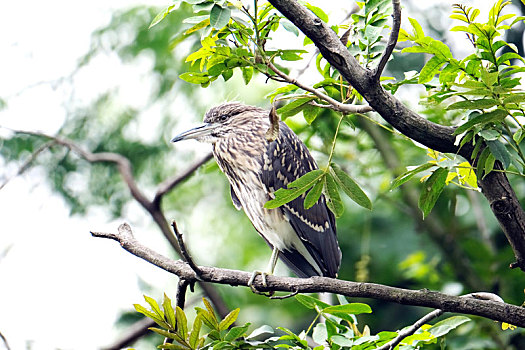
(334, 104)
(124, 166)
(490, 309)
(496, 187)
(392, 40)
(410, 330)
(170, 184)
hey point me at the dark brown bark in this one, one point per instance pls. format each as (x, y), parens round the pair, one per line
(495, 186)
(498, 311)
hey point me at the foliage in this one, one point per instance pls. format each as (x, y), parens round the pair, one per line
(339, 330)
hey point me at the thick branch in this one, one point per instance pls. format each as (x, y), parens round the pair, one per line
(490, 309)
(496, 186)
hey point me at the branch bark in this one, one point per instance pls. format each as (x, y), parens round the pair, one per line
(490, 309)
(496, 187)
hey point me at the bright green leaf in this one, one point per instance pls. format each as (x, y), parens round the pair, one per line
(432, 188)
(229, 319)
(314, 194)
(443, 327)
(295, 189)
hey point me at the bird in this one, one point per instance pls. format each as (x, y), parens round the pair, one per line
(304, 240)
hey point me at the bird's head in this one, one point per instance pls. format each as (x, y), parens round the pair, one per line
(222, 121)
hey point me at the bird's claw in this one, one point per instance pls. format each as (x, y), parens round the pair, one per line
(264, 283)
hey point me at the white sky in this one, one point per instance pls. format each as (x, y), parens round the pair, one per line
(59, 288)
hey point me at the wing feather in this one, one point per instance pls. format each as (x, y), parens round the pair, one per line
(287, 159)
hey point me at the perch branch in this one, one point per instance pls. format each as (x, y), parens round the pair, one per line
(486, 308)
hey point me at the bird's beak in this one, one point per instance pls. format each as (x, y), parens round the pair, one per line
(195, 133)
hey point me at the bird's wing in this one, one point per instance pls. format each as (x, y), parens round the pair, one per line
(287, 159)
(235, 200)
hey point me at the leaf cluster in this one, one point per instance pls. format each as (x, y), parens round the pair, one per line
(338, 331)
(316, 182)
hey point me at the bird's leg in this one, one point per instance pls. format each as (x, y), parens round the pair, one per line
(270, 269)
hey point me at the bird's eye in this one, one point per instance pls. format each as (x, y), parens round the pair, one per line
(223, 117)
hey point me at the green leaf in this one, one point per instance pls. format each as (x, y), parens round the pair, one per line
(210, 310)
(264, 329)
(418, 31)
(443, 327)
(314, 194)
(219, 16)
(430, 69)
(474, 104)
(518, 136)
(236, 332)
(500, 152)
(310, 113)
(290, 27)
(164, 333)
(195, 331)
(484, 118)
(350, 187)
(294, 189)
(161, 15)
(182, 323)
(489, 134)
(431, 190)
(195, 77)
(311, 302)
(168, 311)
(227, 74)
(351, 308)
(152, 315)
(247, 73)
(229, 319)
(319, 334)
(333, 200)
(154, 306)
(294, 107)
(342, 341)
(318, 12)
(401, 179)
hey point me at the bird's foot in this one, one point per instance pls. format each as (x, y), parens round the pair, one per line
(264, 282)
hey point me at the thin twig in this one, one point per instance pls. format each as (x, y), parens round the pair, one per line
(392, 40)
(498, 311)
(281, 297)
(28, 162)
(185, 254)
(342, 107)
(170, 184)
(410, 330)
(6, 344)
(350, 109)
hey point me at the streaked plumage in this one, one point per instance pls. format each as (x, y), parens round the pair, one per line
(306, 239)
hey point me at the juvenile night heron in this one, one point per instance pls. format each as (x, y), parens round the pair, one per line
(305, 240)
